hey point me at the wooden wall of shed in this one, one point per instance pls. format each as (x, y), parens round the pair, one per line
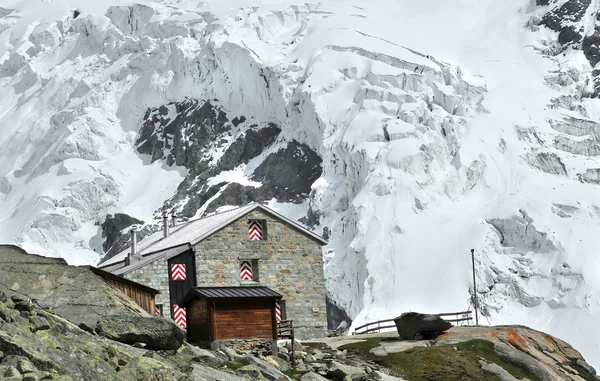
(198, 326)
(242, 319)
(142, 298)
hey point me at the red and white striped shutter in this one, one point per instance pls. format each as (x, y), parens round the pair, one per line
(180, 318)
(278, 311)
(156, 311)
(255, 230)
(246, 271)
(178, 271)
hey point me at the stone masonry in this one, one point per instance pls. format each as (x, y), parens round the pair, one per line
(155, 275)
(289, 262)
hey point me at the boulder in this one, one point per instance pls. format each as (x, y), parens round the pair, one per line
(269, 371)
(157, 333)
(318, 355)
(312, 376)
(205, 357)
(339, 371)
(205, 373)
(297, 346)
(279, 363)
(252, 371)
(413, 325)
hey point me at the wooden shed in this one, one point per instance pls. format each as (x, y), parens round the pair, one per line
(143, 296)
(224, 313)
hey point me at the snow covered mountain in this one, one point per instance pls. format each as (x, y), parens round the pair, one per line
(406, 132)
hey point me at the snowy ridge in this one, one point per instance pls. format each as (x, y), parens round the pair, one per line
(426, 138)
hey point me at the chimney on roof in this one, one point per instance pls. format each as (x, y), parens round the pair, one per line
(174, 219)
(165, 225)
(133, 254)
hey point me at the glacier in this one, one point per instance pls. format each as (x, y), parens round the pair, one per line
(408, 133)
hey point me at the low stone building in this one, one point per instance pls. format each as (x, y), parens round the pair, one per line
(246, 246)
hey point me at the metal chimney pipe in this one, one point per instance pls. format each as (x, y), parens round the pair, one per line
(165, 225)
(174, 219)
(133, 242)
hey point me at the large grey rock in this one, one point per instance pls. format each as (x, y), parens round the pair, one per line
(63, 348)
(206, 357)
(524, 360)
(297, 346)
(312, 376)
(341, 371)
(413, 325)
(497, 370)
(144, 368)
(206, 373)
(387, 377)
(73, 293)
(270, 372)
(280, 363)
(587, 367)
(155, 332)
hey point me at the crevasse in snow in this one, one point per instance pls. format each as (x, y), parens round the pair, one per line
(430, 128)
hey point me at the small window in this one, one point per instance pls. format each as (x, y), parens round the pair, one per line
(257, 230)
(158, 310)
(249, 270)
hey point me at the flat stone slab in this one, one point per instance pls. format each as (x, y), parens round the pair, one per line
(388, 347)
(73, 293)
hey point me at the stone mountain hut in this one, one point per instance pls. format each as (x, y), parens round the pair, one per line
(249, 246)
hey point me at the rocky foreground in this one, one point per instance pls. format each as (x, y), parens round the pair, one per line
(59, 322)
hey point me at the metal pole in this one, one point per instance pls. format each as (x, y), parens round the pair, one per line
(474, 287)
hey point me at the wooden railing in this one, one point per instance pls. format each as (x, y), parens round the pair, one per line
(285, 330)
(377, 326)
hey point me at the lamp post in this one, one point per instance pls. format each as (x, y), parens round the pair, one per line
(474, 287)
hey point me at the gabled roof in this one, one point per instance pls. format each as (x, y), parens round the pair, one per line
(189, 234)
(242, 292)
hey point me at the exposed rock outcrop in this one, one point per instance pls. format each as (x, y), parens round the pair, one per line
(200, 136)
(339, 371)
(58, 348)
(502, 353)
(73, 293)
(112, 230)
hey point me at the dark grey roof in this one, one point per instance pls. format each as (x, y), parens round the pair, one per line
(243, 292)
(189, 234)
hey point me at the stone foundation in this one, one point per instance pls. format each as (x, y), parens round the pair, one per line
(255, 347)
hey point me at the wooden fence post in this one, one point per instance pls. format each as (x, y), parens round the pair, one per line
(293, 344)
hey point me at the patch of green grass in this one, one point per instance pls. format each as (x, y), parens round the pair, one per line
(439, 363)
(365, 345)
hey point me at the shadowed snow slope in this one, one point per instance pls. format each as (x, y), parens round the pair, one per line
(407, 132)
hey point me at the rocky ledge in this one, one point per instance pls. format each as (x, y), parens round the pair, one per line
(502, 353)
